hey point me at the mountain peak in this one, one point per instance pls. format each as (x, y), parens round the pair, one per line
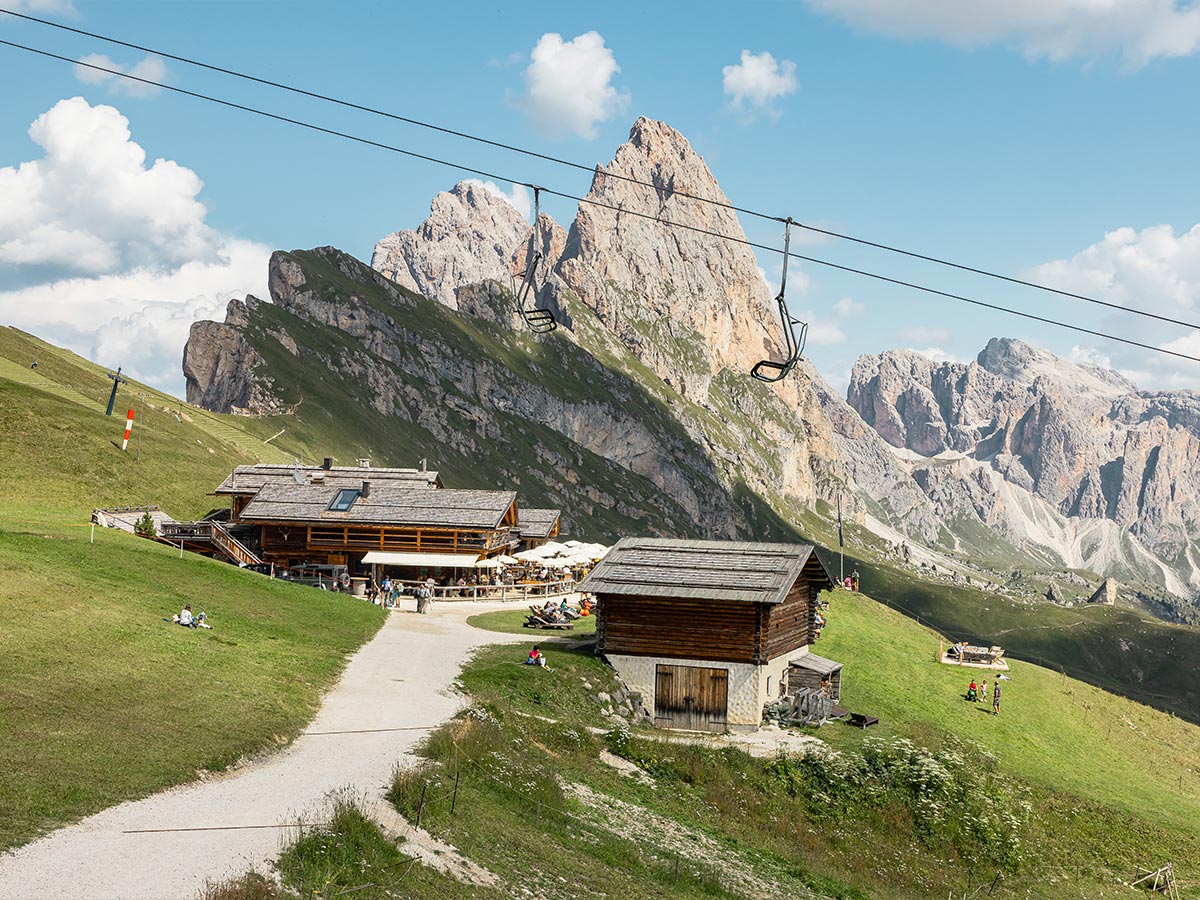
(687, 303)
(469, 238)
(1023, 363)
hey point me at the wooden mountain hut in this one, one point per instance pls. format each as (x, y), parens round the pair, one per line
(538, 526)
(359, 516)
(706, 631)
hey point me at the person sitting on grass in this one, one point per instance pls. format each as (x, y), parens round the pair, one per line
(185, 617)
(973, 691)
(536, 658)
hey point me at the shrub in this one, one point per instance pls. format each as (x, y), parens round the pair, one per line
(250, 886)
(950, 795)
(145, 525)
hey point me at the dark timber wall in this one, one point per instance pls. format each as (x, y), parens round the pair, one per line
(717, 630)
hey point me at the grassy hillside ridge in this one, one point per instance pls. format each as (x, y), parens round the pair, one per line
(69, 451)
(1053, 729)
(86, 659)
(487, 404)
(1125, 651)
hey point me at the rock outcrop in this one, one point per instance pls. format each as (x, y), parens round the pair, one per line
(468, 239)
(663, 290)
(219, 363)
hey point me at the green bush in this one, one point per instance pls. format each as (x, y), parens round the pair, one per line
(145, 526)
(952, 795)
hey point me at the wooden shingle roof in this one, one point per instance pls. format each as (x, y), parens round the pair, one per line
(389, 503)
(700, 570)
(246, 480)
(537, 523)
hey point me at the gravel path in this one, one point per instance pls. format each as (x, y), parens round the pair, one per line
(400, 680)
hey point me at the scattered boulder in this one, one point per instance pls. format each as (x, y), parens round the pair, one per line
(1106, 594)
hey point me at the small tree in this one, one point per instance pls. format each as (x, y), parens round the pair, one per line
(145, 525)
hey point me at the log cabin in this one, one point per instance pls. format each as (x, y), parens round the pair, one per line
(358, 516)
(705, 631)
(538, 526)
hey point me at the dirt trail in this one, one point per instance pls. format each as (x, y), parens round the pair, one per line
(393, 691)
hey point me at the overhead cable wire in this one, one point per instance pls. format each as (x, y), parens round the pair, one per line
(668, 223)
(525, 151)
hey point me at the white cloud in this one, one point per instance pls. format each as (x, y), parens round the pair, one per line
(757, 82)
(826, 332)
(846, 307)
(1090, 356)
(91, 205)
(518, 198)
(822, 332)
(1151, 269)
(922, 334)
(1154, 270)
(1137, 31)
(568, 85)
(108, 256)
(61, 7)
(937, 354)
(150, 69)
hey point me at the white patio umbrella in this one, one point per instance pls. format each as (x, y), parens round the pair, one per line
(489, 564)
(505, 560)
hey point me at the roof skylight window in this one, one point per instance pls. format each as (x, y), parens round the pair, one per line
(344, 500)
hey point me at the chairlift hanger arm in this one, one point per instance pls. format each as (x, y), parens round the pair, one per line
(538, 319)
(767, 370)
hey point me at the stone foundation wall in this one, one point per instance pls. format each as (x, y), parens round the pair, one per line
(748, 683)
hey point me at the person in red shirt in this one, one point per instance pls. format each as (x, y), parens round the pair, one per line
(536, 658)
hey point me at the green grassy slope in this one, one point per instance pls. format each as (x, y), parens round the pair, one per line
(1053, 729)
(86, 660)
(1095, 783)
(102, 701)
(67, 452)
(1121, 650)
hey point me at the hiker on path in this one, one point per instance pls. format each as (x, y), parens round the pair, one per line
(996, 701)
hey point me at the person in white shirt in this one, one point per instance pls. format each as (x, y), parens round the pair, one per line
(185, 617)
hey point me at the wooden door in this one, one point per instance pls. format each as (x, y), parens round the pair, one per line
(691, 697)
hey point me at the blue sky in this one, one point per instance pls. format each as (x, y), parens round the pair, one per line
(1006, 139)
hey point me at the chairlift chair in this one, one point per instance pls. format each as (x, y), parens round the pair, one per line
(538, 319)
(768, 370)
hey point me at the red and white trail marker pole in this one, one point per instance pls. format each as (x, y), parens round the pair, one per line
(128, 428)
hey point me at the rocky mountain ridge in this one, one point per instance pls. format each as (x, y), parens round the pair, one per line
(1071, 458)
(648, 378)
